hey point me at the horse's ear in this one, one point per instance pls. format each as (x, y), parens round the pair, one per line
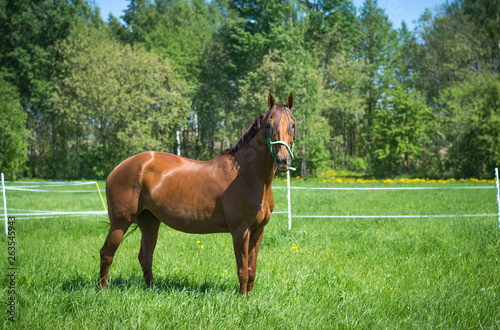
(270, 100)
(289, 101)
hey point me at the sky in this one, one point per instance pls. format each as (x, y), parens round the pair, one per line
(396, 10)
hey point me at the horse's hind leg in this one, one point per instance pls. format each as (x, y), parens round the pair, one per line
(149, 225)
(113, 240)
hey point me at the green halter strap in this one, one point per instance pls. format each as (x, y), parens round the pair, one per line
(290, 150)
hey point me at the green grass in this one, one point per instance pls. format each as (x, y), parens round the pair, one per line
(325, 273)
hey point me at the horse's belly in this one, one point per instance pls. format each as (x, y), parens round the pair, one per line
(196, 226)
(190, 218)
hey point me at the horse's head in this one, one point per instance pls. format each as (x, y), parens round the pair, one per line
(281, 131)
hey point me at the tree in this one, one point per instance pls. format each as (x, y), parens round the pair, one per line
(331, 26)
(401, 133)
(262, 26)
(343, 104)
(13, 135)
(407, 58)
(472, 117)
(182, 36)
(485, 17)
(376, 48)
(140, 17)
(29, 32)
(111, 102)
(451, 51)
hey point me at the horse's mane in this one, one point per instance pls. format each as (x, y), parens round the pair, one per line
(246, 137)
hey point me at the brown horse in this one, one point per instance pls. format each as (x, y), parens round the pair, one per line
(230, 193)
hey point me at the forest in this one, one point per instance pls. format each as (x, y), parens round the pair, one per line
(79, 94)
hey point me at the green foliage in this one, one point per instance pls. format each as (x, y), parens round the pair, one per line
(472, 112)
(343, 105)
(451, 50)
(29, 33)
(331, 26)
(13, 135)
(401, 133)
(483, 14)
(182, 36)
(376, 48)
(407, 62)
(141, 16)
(112, 102)
(357, 164)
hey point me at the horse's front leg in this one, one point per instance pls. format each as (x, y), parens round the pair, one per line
(255, 239)
(241, 239)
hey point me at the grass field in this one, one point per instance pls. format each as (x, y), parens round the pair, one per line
(324, 273)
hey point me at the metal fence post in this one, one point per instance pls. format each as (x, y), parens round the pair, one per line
(498, 196)
(4, 207)
(288, 198)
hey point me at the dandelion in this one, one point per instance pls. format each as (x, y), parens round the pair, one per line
(197, 242)
(203, 246)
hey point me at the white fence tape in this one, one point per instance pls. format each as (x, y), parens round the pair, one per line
(11, 209)
(44, 213)
(52, 183)
(50, 217)
(386, 188)
(394, 216)
(53, 191)
(39, 214)
(41, 184)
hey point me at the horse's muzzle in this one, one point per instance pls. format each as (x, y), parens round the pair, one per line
(283, 163)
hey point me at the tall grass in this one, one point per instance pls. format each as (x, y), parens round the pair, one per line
(324, 273)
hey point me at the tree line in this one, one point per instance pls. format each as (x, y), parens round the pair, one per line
(79, 94)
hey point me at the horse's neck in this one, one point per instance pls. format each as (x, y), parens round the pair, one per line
(255, 158)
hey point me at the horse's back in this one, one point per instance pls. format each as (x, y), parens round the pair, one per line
(182, 193)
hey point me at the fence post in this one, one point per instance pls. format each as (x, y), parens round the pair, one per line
(498, 196)
(288, 198)
(4, 207)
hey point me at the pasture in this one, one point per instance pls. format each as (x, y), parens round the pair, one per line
(324, 273)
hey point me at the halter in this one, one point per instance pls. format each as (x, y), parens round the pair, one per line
(270, 145)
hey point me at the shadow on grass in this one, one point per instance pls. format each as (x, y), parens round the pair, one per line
(162, 284)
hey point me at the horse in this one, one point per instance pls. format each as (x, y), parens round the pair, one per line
(230, 193)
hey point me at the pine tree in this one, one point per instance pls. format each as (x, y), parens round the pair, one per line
(376, 49)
